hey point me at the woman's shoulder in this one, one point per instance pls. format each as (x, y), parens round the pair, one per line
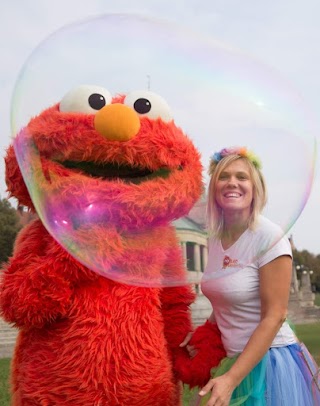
(271, 241)
(267, 233)
(265, 226)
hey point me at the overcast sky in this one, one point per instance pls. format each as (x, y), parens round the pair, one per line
(283, 34)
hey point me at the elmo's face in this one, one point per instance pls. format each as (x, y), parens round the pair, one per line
(124, 150)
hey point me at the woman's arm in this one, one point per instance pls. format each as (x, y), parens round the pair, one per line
(275, 279)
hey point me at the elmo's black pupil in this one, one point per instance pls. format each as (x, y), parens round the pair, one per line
(142, 106)
(97, 101)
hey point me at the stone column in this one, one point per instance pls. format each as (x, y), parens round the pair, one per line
(197, 259)
(204, 256)
(184, 251)
(306, 295)
(197, 265)
(294, 280)
(305, 281)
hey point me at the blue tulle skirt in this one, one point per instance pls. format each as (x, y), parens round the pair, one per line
(291, 380)
(283, 378)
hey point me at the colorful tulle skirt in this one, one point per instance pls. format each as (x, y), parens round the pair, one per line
(286, 376)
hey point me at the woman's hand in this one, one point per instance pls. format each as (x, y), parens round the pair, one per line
(190, 348)
(221, 390)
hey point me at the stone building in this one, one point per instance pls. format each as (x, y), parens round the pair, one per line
(193, 240)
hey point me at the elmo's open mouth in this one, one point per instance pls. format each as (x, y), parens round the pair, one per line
(113, 171)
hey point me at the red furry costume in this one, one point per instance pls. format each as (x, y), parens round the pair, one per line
(85, 339)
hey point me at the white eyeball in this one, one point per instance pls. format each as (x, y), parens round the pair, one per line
(85, 99)
(148, 104)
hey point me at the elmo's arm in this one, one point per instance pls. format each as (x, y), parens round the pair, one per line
(176, 303)
(34, 288)
(207, 341)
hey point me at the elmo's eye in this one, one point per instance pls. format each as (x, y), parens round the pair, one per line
(97, 101)
(148, 104)
(85, 99)
(142, 106)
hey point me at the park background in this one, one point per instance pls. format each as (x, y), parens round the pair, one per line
(284, 34)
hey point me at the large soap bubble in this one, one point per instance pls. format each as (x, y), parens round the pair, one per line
(218, 96)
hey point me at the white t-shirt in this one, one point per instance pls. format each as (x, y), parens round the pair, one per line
(231, 283)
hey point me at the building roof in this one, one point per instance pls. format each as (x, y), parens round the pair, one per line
(198, 213)
(185, 223)
(195, 220)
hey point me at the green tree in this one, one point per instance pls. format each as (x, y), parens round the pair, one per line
(9, 227)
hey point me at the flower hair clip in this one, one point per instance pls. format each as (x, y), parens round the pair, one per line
(241, 151)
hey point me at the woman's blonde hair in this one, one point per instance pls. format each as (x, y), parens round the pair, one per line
(215, 218)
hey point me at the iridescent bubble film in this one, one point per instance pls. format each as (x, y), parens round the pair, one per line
(217, 95)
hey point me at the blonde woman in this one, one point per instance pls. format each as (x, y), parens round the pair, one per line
(247, 280)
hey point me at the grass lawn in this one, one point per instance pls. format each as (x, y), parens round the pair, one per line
(4, 387)
(308, 333)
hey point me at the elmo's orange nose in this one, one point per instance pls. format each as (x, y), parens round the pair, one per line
(117, 122)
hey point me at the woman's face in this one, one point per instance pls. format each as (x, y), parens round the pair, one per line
(234, 188)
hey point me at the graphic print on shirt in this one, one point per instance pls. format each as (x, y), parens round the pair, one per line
(229, 262)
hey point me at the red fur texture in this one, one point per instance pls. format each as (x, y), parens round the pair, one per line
(85, 339)
(62, 137)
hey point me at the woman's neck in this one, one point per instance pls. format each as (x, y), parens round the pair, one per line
(234, 227)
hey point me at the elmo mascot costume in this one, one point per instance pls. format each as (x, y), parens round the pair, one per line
(85, 339)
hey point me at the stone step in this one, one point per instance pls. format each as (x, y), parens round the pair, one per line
(6, 351)
(201, 310)
(7, 339)
(8, 336)
(8, 332)
(5, 326)
(8, 329)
